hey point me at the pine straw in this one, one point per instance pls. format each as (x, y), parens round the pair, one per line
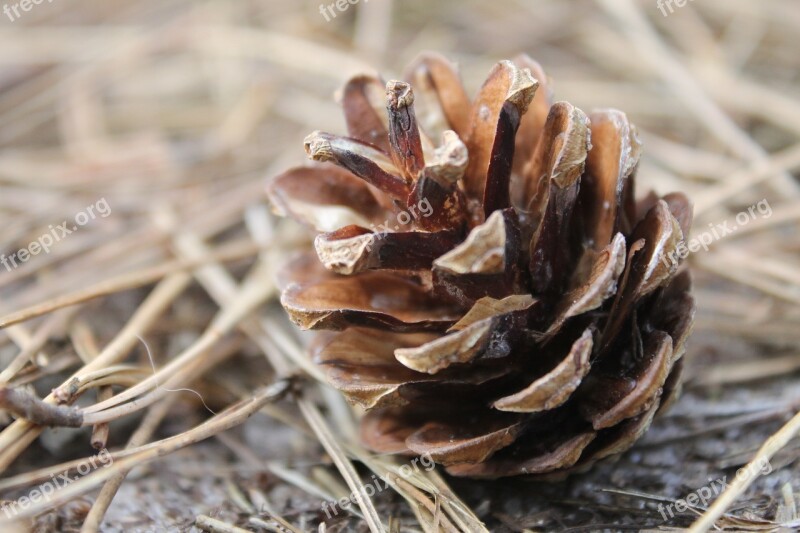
(175, 112)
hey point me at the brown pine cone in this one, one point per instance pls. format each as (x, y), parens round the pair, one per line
(500, 301)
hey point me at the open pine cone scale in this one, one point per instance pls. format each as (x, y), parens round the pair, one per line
(497, 298)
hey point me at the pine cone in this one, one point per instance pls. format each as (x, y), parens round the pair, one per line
(500, 301)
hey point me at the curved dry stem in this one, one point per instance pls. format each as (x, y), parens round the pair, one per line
(17, 437)
(231, 417)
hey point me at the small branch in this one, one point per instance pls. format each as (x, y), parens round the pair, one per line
(128, 459)
(85, 344)
(141, 436)
(28, 406)
(100, 431)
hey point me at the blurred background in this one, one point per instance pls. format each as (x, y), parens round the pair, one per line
(154, 125)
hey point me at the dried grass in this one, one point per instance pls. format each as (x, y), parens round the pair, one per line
(175, 112)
